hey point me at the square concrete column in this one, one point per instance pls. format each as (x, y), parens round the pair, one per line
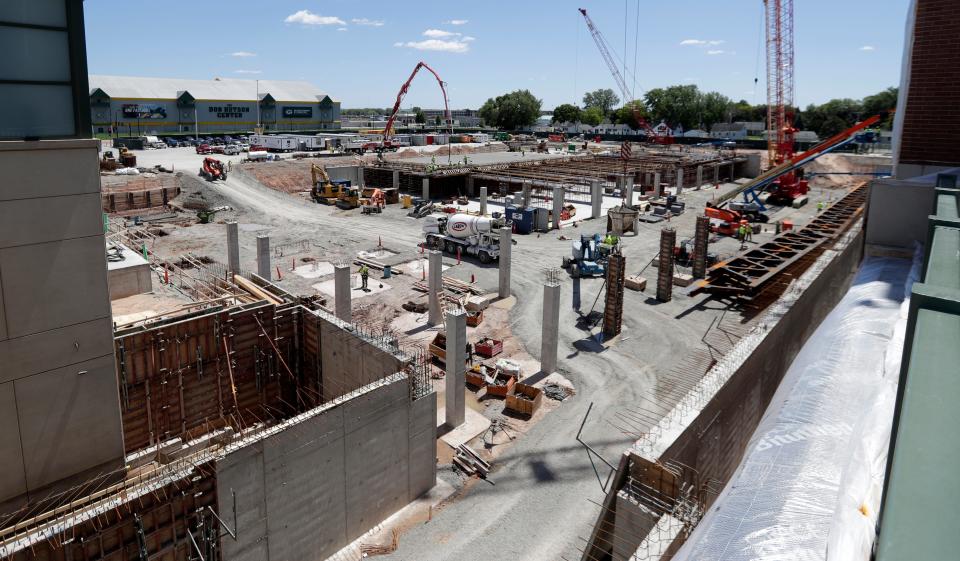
(596, 198)
(557, 206)
(341, 292)
(361, 180)
(483, 201)
(506, 245)
(526, 194)
(263, 256)
(699, 176)
(470, 192)
(716, 173)
(657, 186)
(434, 286)
(456, 368)
(233, 247)
(628, 193)
(550, 326)
(426, 188)
(679, 181)
(396, 179)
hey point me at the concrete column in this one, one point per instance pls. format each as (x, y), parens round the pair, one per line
(628, 192)
(716, 173)
(526, 194)
(426, 188)
(557, 206)
(679, 181)
(434, 286)
(596, 197)
(505, 246)
(341, 292)
(233, 247)
(263, 256)
(470, 192)
(483, 201)
(550, 326)
(657, 186)
(396, 179)
(456, 368)
(636, 225)
(699, 176)
(360, 179)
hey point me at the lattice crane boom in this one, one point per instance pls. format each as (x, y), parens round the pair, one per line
(778, 16)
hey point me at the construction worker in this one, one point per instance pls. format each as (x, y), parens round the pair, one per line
(742, 234)
(364, 275)
(820, 206)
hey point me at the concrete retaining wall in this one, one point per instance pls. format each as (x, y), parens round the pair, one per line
(349, 362)
(311, 489)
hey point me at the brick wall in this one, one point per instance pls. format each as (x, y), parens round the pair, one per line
(931, 125)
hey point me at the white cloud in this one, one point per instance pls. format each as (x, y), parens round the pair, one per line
(701, 42)
(436, 45)
(306, 17)
(457, 22)
(468, 38)
(341, 29)
(243, 54)
(868, 48)
(247, 72)
(439, 33)
(715, 52)
(365, 21)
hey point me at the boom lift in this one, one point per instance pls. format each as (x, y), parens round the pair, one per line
(213, 169)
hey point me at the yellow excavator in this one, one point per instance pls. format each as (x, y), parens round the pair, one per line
(349, 198)
(323, 190)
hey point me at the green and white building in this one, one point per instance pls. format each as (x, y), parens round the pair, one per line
(131, 106)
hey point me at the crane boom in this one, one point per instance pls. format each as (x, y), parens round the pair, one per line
(621, 83)
(388, 130)
(780, 85)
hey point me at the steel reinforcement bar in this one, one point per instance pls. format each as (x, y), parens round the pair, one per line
(750, 272)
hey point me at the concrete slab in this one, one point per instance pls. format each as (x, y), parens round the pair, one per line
(374, 286)
(473, 425)
(418, 267)
(313, 270)
(378, 254)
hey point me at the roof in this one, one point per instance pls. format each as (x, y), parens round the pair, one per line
(217, 89)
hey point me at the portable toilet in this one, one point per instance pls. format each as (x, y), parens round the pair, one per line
(522, 219)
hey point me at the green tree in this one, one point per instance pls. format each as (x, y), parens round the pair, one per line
(418, 116)
(677, 105)
(511, 111)
(713, 108)
(604, 99)
(592, 116)
(437, 121)
(627, 116)
(881, 103)
(566, 113)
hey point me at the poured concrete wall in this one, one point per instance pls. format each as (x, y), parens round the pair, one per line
(59, 410)
(897, 212)
(311, 489)
(349, 362)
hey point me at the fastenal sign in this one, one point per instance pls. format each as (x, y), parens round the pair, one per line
(298, 112)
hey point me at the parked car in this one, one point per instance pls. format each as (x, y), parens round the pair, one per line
(231, 149)
(244, 147)
(171, 142)
(203, 148)
(228, 139)
(190, 140)
(217, 148)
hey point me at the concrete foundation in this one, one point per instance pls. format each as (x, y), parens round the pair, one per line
(505, 248)
(483, 201)
(456, 368)
(342, 306)
(435, 287)
(130, 276)
(551, 323)
(557, 206)
(233, 247)
(263, 257)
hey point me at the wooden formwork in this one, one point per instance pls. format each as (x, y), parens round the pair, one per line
(231, 367)
(133, 200)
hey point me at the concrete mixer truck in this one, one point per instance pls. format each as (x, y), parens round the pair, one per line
(473, 235)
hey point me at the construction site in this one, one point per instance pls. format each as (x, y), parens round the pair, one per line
(535, 349)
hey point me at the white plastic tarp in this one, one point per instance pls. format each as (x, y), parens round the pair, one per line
(809, 485)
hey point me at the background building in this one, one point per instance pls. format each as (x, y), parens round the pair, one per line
(133, 106)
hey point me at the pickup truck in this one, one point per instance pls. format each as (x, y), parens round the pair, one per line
(231, 150)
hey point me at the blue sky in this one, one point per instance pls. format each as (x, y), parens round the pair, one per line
(362, 51)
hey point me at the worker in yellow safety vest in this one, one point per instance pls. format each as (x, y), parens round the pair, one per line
(364, 274)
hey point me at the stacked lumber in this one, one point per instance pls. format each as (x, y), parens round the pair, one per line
(470, 463)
